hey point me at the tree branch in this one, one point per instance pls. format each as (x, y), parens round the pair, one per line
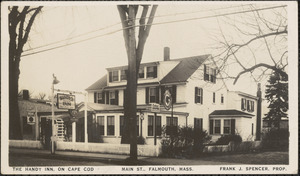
(281, 72)
(122, 12)
(145, 33)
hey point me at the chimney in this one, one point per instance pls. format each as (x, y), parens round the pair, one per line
(166, 53)
(258, 117)
(25, 95)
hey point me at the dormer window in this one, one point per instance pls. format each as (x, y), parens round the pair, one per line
(152, 72)
(123, 75)
(141, 72)
(114, 76)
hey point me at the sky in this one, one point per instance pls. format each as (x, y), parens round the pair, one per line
(79, 65)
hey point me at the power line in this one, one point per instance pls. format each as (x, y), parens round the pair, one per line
(159, 23)
(76, 36)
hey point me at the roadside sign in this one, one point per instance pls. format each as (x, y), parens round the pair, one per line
(167, 100)
(155, 107)
(31, 118)
(65, 101)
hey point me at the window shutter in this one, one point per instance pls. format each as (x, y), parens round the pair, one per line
(110, 76)
(147, 95)
(174, 93)
(196, 91)
(201, 124)
(232, 126)
(155, 71)
(204, 73)
(103, 96)
(157, 94)
(242, 103)
(211, 126)
(124, 96)
(162, 88)
(215, 75)
(107, 97)
(117, 97)
(201, 93)
(95, 97)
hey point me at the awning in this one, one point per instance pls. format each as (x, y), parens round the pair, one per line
(229, 113)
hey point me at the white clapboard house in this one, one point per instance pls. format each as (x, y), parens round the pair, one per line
(199, 100)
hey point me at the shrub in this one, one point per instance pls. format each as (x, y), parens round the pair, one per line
(183, 142)
(141, 140)
(276, 139)
(225, 139)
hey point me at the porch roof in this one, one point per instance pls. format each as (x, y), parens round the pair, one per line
(229, 113)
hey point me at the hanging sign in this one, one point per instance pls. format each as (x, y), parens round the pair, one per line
(155, 107)
(167, 100)
(65, 101)
(31, 118)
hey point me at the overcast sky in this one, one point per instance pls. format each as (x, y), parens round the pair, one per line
(79, 65)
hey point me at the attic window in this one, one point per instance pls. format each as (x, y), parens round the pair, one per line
(123, 75)
(152, 72)
(209, 74)
(113, 76)
(141, 72)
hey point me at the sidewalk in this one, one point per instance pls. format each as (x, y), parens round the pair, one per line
(74, 155)
(112, 159)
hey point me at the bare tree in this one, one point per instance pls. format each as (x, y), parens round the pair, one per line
(20, 23)
(41, 95)
(253, 44)
(134, 53)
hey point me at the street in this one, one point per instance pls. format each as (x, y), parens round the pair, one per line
(29, 157)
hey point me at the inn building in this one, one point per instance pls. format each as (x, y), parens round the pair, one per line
(199, 99)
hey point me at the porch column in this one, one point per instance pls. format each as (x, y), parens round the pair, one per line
(73, 131)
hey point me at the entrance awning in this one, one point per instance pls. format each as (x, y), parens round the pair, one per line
(229, 113)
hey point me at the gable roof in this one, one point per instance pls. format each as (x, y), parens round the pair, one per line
(101, 83)
(184, 69)
(229, 113)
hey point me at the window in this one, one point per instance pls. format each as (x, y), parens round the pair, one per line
(172, 123)
(198, 95)
(243, 105)
(152, 72)
(151, 125)
(252, 129)
(152, 95)
(198, 124)
(110, 125)
(123, 75)
(100, 124)
(222, 98)
(247, 105)
(99, 98)
(214, 97)
(227, 126)
(215, 126)
(209, 74)
(141, 72)
(112, 97)
(113, 76)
